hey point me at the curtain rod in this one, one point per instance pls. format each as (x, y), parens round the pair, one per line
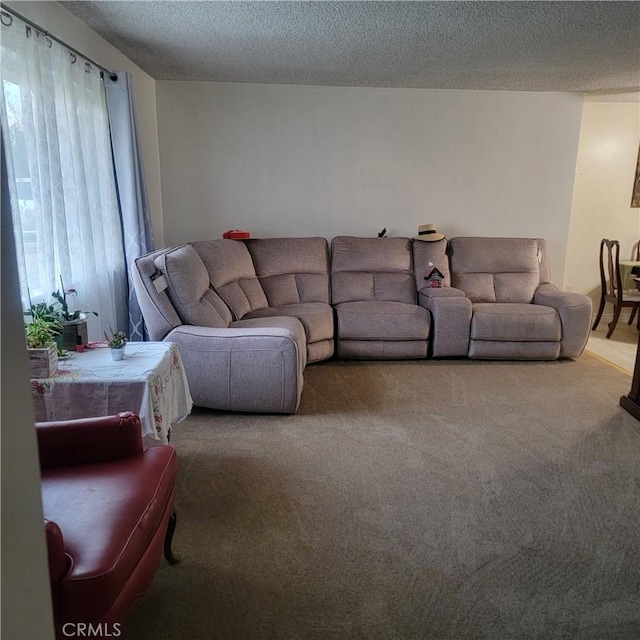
(9, 12)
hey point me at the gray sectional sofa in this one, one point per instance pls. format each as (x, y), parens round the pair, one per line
(249, 315)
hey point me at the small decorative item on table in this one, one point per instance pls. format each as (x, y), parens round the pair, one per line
(74, 322)
(43, 354)
(116, 343)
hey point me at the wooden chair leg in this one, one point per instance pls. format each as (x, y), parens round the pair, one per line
(171, 527)
(614, 322)
(599, 314)
(633, 315)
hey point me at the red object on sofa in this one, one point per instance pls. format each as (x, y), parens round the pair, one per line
(108, 509)
(236, 234)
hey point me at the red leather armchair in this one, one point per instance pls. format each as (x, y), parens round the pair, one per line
(108, 508)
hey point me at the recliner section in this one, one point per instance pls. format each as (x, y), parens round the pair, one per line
(517, 314)
(374, 294)
(232, 362)
(249, 315)
(294, 275)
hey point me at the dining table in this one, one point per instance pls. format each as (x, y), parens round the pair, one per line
(629, 271)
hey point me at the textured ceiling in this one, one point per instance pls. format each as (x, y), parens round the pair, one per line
(520, 46)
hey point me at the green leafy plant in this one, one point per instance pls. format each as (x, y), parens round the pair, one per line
(44, 311)
(64, 305)
(117, 339)
(40, 332)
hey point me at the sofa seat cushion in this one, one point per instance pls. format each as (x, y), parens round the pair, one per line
(515, 322)
(292, 325)
(382, 321)
(107, 514)
(316, 317)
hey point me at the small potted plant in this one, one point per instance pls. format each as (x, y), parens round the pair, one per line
(43, 353)
(116, 343)
(45, 315)
(74, 323)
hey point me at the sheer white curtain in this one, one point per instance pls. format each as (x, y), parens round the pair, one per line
(61, 179)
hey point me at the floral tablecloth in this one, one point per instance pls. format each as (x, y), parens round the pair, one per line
(150, 381)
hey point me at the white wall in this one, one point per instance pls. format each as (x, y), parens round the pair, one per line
(52, 17)
(605, 169)
(301, 160)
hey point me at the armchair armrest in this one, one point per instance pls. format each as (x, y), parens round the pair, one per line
(88, 440)
(58, 563)
(574, 310)
(451, 320)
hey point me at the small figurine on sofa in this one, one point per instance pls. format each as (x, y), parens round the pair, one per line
(434, 277)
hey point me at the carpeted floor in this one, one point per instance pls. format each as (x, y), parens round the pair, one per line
(410, 500)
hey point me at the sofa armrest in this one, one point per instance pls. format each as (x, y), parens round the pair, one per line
(450, 320)
(66, 443)
(430, 293)
(574, 310)
(251, 368)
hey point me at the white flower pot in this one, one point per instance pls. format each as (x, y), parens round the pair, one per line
(117, 354)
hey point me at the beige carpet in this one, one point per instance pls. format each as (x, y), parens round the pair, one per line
(414, 500)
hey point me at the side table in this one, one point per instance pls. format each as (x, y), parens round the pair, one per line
(150, 381)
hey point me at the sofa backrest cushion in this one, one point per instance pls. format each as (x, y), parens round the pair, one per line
(372, 269)
(232, 275)
(189, 288)
(496, 269)
(291, 270)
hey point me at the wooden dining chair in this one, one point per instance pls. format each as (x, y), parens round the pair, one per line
(611, 286)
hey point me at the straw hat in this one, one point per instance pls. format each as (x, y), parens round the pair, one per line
(428, 232)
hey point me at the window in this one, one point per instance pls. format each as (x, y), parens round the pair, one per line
(26, 210)
(61, 181)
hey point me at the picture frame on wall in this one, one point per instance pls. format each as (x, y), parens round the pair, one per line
(635, 196)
